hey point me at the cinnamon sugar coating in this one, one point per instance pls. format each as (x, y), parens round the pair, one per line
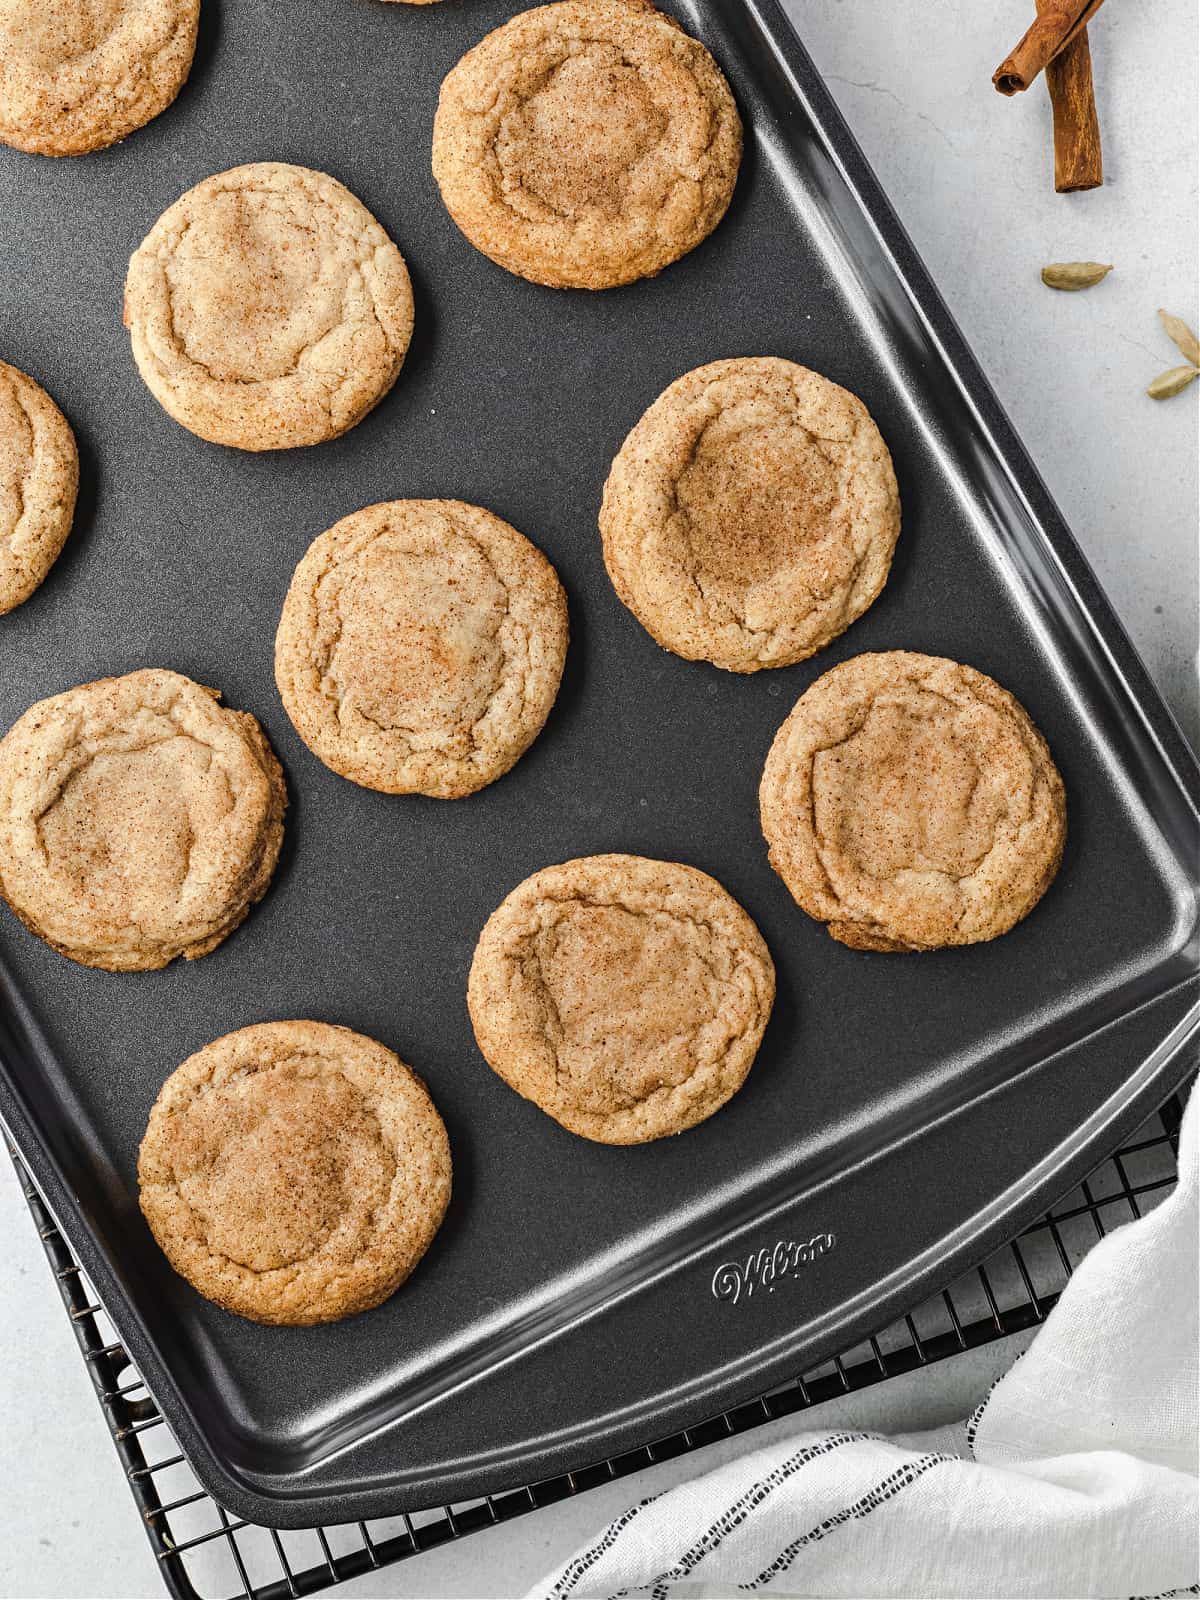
(76, 77)
(586, 144)
(909, 803)
(268, 309)
(39, 477)
(139, 820)
(626, 997)
(421, 646)
(751, 514)
(294, 1172)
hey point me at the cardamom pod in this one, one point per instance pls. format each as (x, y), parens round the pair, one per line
(1173, 382)
(1178, 330)
(1074, 274)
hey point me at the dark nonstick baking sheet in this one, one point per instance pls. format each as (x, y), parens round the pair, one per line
(905, 1113)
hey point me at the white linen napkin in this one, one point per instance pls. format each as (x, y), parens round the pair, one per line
(1077, 1477)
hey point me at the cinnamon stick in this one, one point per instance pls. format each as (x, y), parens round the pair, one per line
(1057, 23)
(1078, 162)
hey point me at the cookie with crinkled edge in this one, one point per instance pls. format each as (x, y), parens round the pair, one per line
(751, 514)
(139, 820)
(586, 144)
(909, 803)
(626, 997)
(268, 309)
(421, 647)
(39, 478)
(294, 1172)
(76, 77)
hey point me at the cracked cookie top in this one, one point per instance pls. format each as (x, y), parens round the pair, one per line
(586, 144)
(421, 646)
(294, 1172)
(909, 802)
(267, 308)
(625, 997)
(139, 819)
(751, 514)
(39, 475)
(77, 75)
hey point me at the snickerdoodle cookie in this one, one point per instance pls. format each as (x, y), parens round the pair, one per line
(625, 997)
(76, 77)
(294, 1172)
(751, 514)
(268, 308)
(39, 474)
(139, 820)
(421, 647)
(586, 144)
(910, 803)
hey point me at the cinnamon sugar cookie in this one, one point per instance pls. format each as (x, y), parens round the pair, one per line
(586, 144)
(625, 997)
(139, 820)
(39, 476)
(751, 514)
(268, 309)
(909, 802)
(421, 647)
(294, 1172)
(78, 76)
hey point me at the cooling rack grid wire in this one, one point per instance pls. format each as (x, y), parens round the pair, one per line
(205, 1554)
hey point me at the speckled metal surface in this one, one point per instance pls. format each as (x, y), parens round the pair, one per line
(575, 1302)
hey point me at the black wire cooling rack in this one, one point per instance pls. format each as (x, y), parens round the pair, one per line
(204, 1554)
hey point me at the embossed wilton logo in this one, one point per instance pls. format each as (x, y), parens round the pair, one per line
(737, 1280)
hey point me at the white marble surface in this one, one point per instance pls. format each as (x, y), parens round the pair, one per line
(970, 176)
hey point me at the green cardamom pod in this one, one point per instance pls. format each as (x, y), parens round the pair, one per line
(1178, 330)
(1173, 382)
(1074, 274)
